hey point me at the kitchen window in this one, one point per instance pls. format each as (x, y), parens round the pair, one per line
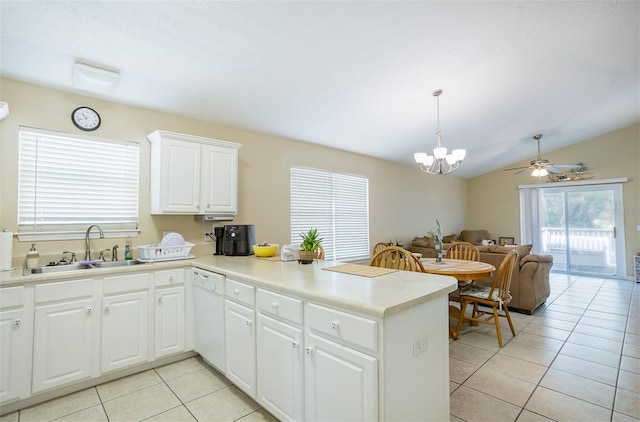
(68, 182)
(337, 205)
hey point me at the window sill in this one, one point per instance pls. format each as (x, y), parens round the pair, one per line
(72, 235)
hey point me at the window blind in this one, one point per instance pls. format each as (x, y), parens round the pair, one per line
(337, 205)
(67, 181)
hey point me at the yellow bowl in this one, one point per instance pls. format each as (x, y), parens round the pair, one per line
(265, 251)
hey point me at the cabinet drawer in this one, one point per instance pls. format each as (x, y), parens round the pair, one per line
(169, 277)
(125, 283)
(11, 296)
(337, 324)
(279, 305)
(63, 290)
(241, 292)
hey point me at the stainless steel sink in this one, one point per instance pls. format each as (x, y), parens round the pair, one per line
(111, 264)
(47, 269)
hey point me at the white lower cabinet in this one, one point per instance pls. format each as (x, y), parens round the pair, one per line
(169, 321)
(341, 384)
(66, 333)
(280, 368)
(240, 339)
(16, 333)
(169, 312)
(125, 321)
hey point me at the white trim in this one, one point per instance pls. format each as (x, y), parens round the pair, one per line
(576, 183)
(70, 235)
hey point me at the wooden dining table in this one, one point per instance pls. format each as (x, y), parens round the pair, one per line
(462, 270)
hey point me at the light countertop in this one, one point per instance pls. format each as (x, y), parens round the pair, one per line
(376, 296)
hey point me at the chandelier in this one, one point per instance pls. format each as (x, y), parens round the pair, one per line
(440, 162)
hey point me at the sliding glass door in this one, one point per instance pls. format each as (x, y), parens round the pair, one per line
(579, 226)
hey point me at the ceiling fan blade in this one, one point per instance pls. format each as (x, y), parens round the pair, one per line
(517, 168)
(567, 166)
(552, 169)
(524, 169)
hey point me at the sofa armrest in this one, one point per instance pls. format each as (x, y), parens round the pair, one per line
(536, 258)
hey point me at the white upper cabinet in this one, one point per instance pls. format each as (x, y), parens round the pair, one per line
(193, 175)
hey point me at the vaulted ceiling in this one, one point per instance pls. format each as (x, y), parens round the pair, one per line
(357, 76)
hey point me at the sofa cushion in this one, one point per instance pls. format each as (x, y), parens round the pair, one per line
(522, 250)
(449, 238)
(474, 236)
(422, 242)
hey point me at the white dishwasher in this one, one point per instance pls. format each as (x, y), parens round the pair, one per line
(208, 306)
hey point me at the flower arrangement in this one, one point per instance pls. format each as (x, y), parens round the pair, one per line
(437, 237)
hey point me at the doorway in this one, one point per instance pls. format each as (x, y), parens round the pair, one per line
(582, 228)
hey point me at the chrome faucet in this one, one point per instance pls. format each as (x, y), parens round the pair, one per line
(114, 253)
(87, 249)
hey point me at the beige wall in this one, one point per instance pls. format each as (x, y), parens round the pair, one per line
(492, 198)
(404, 202)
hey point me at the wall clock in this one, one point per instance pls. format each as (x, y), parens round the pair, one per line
(85, 118)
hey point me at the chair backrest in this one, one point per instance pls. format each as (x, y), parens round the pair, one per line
(379, 246)
(463, 250)
(320, 252)
(396, 258)
(502, 279)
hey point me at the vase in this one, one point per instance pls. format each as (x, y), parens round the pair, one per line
(306, 257)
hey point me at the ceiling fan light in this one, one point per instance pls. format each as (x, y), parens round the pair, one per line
(440, 152)
(535, 172)
(459, 154)
(543, 172)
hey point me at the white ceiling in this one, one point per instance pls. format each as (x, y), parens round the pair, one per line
(358, 76)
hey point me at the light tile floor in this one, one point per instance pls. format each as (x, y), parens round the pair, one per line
(577, 359)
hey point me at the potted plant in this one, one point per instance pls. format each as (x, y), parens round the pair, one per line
(309, 246)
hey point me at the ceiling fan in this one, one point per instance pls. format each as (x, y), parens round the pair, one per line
(541, 167)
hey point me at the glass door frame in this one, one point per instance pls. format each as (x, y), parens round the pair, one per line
(530, 215)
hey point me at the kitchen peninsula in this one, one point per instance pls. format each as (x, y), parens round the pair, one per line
(344, 346)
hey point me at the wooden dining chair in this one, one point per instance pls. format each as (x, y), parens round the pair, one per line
(463, 250)
(379, 246)
(397, 258)
(496, 297)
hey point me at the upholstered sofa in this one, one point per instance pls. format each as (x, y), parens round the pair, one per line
(530, 280)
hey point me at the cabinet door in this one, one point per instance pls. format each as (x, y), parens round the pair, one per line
(62, 343)
(280, 369)
(169, 317)
(220, 179)
(125, 330)
(240, 336)
(180, 177)
(356, 396)
(14, 354)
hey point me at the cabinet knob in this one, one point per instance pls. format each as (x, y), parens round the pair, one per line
(160, 299)
(334, 325)
(17, 321)
(236, 292)
(249, 322)
(213, 287)
(89, 309)
(308, 349)
(106, 308)
(170, 278)
(294, 344)
(275, 305)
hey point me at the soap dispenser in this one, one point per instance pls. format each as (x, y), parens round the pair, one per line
(33, 257)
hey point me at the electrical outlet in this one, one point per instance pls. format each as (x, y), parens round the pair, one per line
(208, 236)
(419, 345)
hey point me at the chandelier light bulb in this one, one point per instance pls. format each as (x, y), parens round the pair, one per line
(440, 162)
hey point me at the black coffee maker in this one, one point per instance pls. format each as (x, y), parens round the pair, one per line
(218, 232)
(239, 240)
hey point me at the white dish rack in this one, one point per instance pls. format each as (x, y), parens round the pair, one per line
(158, 252)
